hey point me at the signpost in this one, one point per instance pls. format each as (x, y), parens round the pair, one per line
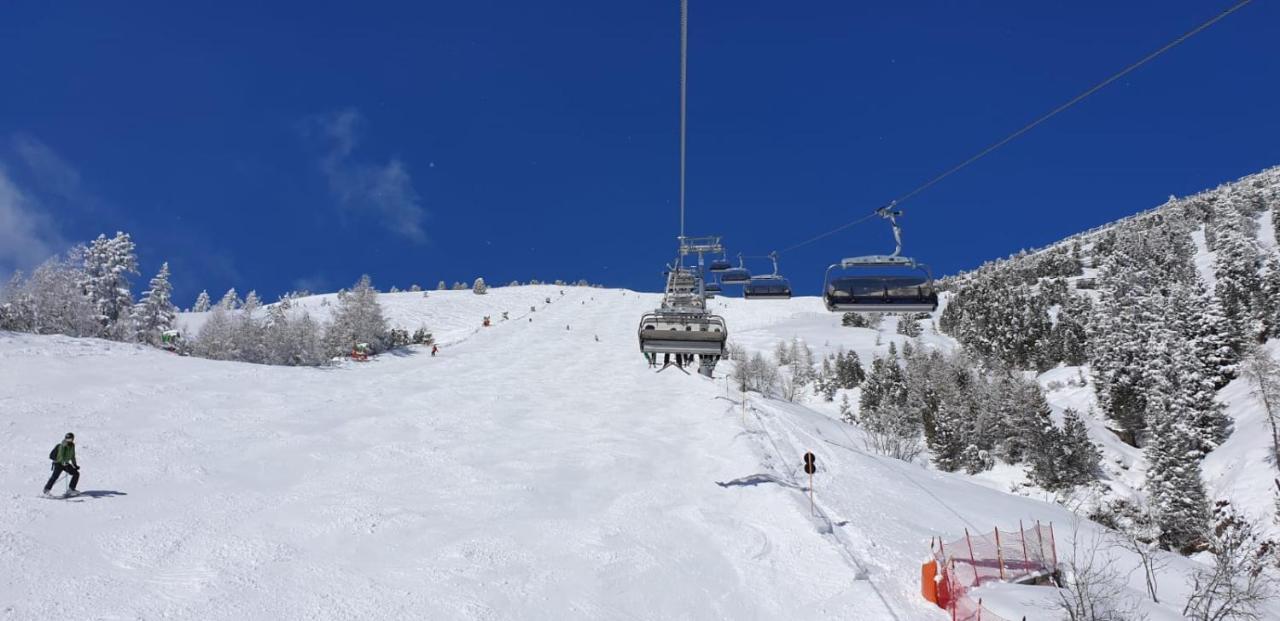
(810, 467)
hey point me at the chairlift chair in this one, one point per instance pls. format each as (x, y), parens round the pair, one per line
(878, 284)
(735, 275)
(769, 286)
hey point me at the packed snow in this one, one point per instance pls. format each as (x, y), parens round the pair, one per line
(535, 469)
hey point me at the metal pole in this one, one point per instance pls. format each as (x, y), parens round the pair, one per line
(812, 511)
(684, 55)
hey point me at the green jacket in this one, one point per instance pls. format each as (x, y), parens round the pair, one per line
(66, 452)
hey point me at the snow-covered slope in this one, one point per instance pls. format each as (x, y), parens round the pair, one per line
(536, 469)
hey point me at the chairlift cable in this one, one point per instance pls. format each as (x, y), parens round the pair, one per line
(1029, 126)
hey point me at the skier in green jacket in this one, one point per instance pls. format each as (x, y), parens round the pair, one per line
(64, 460)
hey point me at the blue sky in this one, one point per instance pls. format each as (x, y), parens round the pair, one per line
(278, 145)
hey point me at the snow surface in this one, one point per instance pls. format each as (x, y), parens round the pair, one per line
(1204, 259)
(528, 472)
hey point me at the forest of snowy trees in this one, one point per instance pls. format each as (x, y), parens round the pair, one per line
(87, 293)
(1160, 331)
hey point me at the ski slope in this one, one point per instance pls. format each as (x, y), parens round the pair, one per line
(536, 469)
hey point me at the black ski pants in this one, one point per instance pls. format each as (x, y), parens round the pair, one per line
(58, 469)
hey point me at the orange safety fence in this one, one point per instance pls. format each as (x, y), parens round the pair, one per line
(1003, 556)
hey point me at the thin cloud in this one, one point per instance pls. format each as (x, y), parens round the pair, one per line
(27, 234)
(383, 190)
(49, 171)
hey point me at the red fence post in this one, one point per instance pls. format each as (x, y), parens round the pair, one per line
(1022, 534)
(999, 554)
(1053, 545)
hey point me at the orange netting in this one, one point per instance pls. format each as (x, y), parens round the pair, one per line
(1004, 556)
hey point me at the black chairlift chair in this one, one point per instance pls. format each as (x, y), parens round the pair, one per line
(735, 275)
(769, 286)
(719, 265)
(878, 284)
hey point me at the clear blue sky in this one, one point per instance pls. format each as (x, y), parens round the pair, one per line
(270, 145)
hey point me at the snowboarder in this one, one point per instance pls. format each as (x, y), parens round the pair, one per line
(435, 349)
(64, 460)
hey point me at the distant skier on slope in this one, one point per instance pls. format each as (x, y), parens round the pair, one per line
(64, 460)
(435, 349)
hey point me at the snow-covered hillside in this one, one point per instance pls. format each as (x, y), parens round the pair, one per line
(536, 469)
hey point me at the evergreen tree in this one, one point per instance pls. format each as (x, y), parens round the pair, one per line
(216, 339)
(846, 411)
(908, 326)
(357, 319)
(1080, 456)
(155, 313)
(441, 286)
(1236, 267)
(479, 288)
(848, 372)
(854, 320)
(107, 266)
(230, 300)
(202, 303)
(1173, 457)
(1271, 297)
(826, 382)
(782, 353)
(248, 332)
(1070, 336)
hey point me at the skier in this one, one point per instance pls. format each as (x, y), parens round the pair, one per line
(64, 460)
(434, 350)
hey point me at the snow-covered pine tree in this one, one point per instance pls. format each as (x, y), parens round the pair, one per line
(459, 286)
(414, 288)
(782, 353)
(357, 319)
(441, 286)
(1080, 457)
(1070, 336)
(230, 300)
(908, 326)
(479, 288)
(1173, 457)
(826, 383)
(853, 320)
(248, 333)
(1271, 297)
(155, 313)
(51, 300)
(1235, 265)
(216, 339)
(846, 410)
(202, 303)
(108, 262)
(849, 371)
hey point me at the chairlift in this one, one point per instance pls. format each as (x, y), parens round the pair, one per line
(735, 275)
(768, 286)
(719, 265)
(881, 283)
